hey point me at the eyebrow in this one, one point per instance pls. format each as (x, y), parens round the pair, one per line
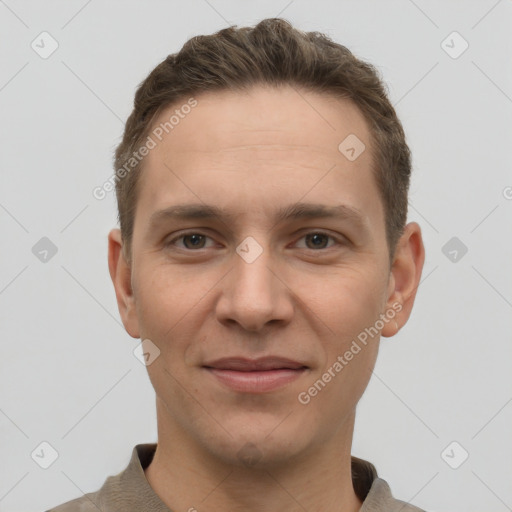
(294, 211)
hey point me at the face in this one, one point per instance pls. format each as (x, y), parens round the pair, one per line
(252, 308)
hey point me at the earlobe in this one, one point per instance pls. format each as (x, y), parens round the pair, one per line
(120, 273)
(405, 278)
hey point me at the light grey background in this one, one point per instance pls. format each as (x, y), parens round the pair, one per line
(68, 374)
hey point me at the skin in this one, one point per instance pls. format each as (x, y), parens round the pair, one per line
(252, 152)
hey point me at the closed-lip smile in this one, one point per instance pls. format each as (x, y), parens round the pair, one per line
(260, 375)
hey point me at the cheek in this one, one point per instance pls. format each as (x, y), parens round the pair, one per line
(347, 302)
(351, 347)
(166, 301)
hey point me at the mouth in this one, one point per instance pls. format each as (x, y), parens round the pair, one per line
(255, 375)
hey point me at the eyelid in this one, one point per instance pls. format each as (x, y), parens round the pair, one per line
(184, 234)
(340, 240)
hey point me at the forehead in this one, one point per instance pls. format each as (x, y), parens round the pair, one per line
(259, 147)
(264, 114)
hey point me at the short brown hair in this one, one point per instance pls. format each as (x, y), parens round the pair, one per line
(274, 53)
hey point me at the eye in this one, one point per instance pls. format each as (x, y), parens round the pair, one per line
(317, 240)
(196, 240)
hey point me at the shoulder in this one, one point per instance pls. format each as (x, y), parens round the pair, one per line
(380, 498)
(86, 503)
(126, 490)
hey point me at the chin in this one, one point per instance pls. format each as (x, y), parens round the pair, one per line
(259, 448)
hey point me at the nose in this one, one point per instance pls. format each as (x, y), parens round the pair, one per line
(254, 294)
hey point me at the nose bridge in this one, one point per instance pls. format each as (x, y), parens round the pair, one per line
(252, 294)
(253, 281)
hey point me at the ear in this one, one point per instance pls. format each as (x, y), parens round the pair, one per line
(120, 272)
(404, 278)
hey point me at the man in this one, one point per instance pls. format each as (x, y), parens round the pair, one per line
(262, 190)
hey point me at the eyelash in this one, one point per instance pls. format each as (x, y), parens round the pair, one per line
(323, 233)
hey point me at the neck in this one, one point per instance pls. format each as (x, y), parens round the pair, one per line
(187, 477)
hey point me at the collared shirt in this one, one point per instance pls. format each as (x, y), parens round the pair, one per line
(129, 490)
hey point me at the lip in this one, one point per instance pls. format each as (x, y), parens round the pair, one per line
(244, 364)
(255, 375)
